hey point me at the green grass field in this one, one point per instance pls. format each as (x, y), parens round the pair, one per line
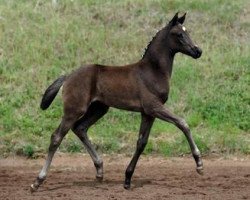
(40, 41)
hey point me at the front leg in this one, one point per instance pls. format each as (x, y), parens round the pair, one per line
(146, 124)
(159, 111)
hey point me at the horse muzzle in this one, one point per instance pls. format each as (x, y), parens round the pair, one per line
(196, 52)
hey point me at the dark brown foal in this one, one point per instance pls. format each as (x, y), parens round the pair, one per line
(143, 87)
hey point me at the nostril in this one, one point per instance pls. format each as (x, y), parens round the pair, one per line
(198, 50)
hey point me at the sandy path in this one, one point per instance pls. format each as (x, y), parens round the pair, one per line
(72, 177)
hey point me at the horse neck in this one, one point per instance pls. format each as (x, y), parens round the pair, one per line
(160, 57)
(161, 61)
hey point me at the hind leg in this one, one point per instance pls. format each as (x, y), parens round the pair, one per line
(56, 139)
(80, 128)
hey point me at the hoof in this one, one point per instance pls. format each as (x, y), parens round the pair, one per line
(200, 170)
(99, 178)
(126, 186)
(33, 188)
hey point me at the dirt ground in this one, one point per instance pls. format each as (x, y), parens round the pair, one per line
(156, 178)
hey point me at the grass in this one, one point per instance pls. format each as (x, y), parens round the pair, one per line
(39, 42)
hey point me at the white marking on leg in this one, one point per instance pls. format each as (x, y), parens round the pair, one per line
(183, 28)
(45, 168)
(43, 173)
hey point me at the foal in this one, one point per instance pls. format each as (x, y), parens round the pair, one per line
(143, 87)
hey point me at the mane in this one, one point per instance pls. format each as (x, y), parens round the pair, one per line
(152, 41)
(149, 44)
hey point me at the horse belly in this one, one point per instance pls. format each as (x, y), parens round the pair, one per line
(124, 104)
(122, 96)
(117, 87)
(122, 99)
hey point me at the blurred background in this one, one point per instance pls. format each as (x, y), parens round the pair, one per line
(41, 40)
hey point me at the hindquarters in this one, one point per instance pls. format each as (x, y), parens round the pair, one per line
(78, 91)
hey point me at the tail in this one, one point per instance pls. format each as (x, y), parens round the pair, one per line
(51, 92)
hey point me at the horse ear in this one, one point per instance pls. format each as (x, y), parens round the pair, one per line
(182, 19)
(174, 20)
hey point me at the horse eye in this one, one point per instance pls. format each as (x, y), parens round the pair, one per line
(180, 35)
